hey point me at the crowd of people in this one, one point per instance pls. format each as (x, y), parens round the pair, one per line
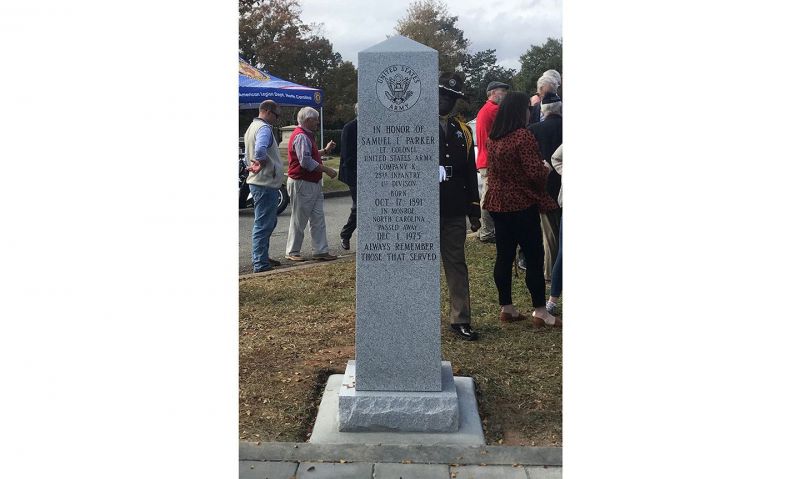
(519, 160)
(517, 208)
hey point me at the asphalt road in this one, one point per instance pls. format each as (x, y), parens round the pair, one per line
(336, 212)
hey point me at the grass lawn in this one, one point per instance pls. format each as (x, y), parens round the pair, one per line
(328, 185)
(290, 342)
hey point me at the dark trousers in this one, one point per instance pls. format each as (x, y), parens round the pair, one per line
(452, 234)
(555, 286)
(350, 226)
(519, 228)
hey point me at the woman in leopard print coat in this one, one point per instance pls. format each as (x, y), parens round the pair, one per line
(516, 195)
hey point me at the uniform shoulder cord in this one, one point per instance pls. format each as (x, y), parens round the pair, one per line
(464, 128)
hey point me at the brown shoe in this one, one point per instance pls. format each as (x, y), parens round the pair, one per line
(294, 257)
(324, 257)
(507, 318)
(540, 322)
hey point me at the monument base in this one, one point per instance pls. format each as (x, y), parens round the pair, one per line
(409, 411)
(469, 433)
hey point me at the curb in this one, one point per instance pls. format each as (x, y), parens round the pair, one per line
(284, 267)
(336, 194)
(378, 453)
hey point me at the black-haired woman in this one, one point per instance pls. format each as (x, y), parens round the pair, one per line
(516, 181)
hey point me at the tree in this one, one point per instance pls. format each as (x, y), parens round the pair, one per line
(341, 92)
(537, 60)
(273, 37)
(245, 5)
(480, 69)
(428, 22)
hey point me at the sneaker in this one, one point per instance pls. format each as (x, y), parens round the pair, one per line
(294, 257)
(324, 257)
(551, 307)
(345, 243)
(490, 239)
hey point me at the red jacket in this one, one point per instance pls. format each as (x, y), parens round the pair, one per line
(296, 171)
(483, 125)
(517, 175)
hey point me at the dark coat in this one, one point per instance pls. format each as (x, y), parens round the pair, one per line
(458, 196)
(348, 167)
(536, 112)
(548, 137)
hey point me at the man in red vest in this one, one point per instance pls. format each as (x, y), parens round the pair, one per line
(305, 189)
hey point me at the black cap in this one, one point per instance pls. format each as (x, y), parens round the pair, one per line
(550, 97)
(451, 84)
(496, 84)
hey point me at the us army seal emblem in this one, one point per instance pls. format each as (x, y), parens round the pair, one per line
(398, 87)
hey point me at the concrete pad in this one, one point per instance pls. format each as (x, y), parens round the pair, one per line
(327, 470)
(398, 411)
(267, 470)
(535, 472)
(488, 472)
(326, 427)
(411, 471)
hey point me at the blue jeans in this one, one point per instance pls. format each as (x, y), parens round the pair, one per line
(555, 286)
(265, 201)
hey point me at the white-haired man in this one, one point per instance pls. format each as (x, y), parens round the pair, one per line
(549, 82)
(305, 190)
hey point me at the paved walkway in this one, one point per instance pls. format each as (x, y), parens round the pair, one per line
(322, 461)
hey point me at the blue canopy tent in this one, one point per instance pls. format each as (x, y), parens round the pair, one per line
(256, 86)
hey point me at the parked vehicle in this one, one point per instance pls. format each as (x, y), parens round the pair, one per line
(246, 199)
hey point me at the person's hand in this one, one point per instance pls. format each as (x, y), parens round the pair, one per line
(332, 173)
(255, 166)
(475, 223)
(329, 147)
(442, 174)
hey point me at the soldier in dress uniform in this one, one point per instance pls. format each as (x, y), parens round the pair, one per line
(458, 199)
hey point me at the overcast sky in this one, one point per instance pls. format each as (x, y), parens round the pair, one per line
(510, 26)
